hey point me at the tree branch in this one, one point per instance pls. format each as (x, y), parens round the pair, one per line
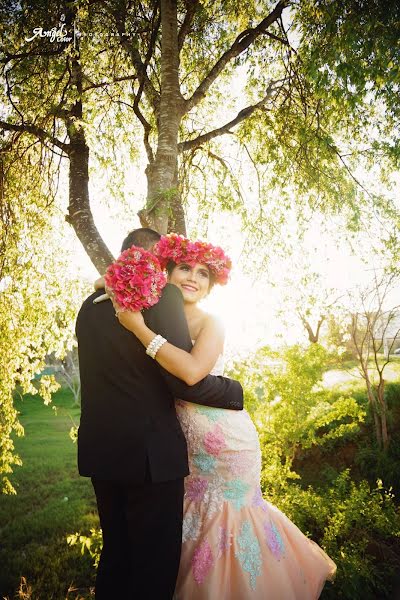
(37, 131)
(283, 41)
(242, 42)
(94, 86)
(8, 56)
(140, 68)
(155, 26)
(241, 116)
(350, 172)
(146, 125)
(9, 96)
(191, 6)
(147, 130)
(229, 171)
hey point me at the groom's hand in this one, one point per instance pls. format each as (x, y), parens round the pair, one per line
(99, 284)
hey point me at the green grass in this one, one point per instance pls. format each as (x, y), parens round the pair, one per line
(52, 501)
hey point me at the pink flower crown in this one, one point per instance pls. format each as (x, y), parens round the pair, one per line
(176, 248)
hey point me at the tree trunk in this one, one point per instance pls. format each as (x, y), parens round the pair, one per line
(79, 213)
(176, 221)
(5, 220)
(383, 413)
(377, 421)
(385, 434)
(312, 337)
(164, 210)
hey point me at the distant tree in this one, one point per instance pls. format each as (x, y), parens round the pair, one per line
(315, 311)
(369, 328)
(308, 301)
(68, 373)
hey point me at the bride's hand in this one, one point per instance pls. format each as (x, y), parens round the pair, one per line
(133, 321)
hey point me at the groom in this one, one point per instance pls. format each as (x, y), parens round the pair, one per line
(131, 444)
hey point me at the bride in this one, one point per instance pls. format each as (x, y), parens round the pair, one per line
(235, 546)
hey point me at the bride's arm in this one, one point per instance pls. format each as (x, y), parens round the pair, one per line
(190, 367)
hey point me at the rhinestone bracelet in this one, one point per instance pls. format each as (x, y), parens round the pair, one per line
(155, 345)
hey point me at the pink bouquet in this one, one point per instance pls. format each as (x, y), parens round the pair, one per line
(135, 279)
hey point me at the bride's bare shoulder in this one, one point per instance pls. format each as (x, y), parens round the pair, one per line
(212, 322)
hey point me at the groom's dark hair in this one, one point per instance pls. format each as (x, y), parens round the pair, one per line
(144, 237)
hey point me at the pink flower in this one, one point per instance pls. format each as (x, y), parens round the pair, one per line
(179, 249)
(196, 488)
(214, 441)
(202, 561)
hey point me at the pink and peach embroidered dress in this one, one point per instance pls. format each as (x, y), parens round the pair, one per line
(237, 546)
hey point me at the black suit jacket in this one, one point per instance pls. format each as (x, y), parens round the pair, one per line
(128, 418)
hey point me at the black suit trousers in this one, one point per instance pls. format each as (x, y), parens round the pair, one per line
(142, 538)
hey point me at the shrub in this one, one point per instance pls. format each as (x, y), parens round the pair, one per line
(292, 409)
(357, 524)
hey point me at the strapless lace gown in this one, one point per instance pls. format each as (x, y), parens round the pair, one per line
(237, 546)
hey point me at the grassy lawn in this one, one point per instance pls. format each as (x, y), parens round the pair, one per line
(52, 501)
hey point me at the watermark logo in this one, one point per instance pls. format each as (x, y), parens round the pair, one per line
(60, 33)
(55, 34)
